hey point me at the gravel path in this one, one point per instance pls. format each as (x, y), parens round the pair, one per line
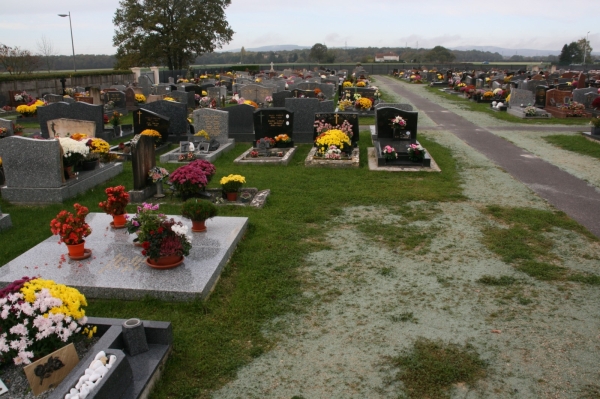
(368, 301)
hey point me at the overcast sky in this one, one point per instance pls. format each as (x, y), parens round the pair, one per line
(532, 24)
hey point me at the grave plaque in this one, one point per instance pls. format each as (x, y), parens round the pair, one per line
(384, 128)
(142, 160)
(214, 122)
(271, 122)
(144, 119)
(336, 119)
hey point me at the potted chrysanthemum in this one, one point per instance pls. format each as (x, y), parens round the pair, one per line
(231, 184)
(198, 211)
(74, 152)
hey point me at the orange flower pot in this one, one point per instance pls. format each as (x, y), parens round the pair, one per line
(76, 250)
(198, 226)
(119, 221)
(165, 262)
(232, 196)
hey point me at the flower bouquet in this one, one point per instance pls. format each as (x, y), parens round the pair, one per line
(145, 220)
(416, 153)
(157, 174)
(115, 119)
(71, 229)
(3, 132)
(283, 141)
(73, 151)
(270, 140)
(398, 122)
(269, 101)
(192, 178)
(116, 205)
(99, 149)
(38, 317)
(334, 137)
(232, 183)
(154, 134)
(530, 111)
(140, 98)
(389, 153)
(333, 153)
(169, 242)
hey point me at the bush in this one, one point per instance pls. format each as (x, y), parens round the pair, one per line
(196, 209)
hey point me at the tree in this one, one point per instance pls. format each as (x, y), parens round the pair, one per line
(439, 54)
(17, 61)
(242, 55)
(586, 50)
(570, 54)
(169, 32)
(318, 52)
(47, 52)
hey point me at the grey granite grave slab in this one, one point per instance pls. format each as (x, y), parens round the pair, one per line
(185, 97)
(212, 156)
(117, 269)
(519, 96)
(304, 110)
(177, 114)
(520, 113)
(246, 159)
(214, 122)
(5, 221)
(77, 110)
(241, 123)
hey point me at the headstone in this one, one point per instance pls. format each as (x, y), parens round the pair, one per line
(540, 96)
(255, 93)
(41, 168)
(53, 98)
(326, 106)
(241, 122)
(279, 98)
(177, 115)
(142, 160)
(145, 84)
(8, 125)
(145, 119)
(184, 97)
(520, 97)
(337, 119)
(130, 103)
(404, 107)
(304, 110)
(118, 97)
(270, 122)
(96, 96)
(118, 87)
(579, 94)
(214, 122)
(76, 110)
(384, 128)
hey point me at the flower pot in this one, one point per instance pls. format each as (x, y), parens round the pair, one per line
(232, 196)
(119, 221)
(165, 262)
(89, 165)
(159, 190)
(76, 250)
(198, 226)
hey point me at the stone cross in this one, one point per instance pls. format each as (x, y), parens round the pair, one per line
(272, 70)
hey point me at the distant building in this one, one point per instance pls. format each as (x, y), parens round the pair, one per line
(387, 57)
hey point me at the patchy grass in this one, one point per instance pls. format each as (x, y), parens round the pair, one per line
(502, 281)
(575, 143)
(431, 368)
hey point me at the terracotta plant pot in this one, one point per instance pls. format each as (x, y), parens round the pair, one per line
(76, 250)
(198, 226)
(119, 221)
(165, 262)
(232, 196)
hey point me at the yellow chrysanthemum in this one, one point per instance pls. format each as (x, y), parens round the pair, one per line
(232, 178)
(347, 84)
(333, 137)
(151, 133)
(72, 300)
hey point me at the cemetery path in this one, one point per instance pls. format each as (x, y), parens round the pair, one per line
(564, 191)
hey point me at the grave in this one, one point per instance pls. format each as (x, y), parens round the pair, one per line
(184, 97)
(557, 98)
(38, 178)
(336, 119)
(64, 127)
(304, 110)
(255, 93)
(383, 134)
(241, 122)
(271, 156)
(143, 159)
(177, 115)
(144, 119)
(520, 97)
(279, 98)
(270, 122)
(76, 111)
(130, 103)
(352, 162)
(117, 269)
(118, 98)
(540, 96)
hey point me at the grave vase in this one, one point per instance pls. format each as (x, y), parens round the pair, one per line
(119, 221)
(198, 226)
(232, 196)
(159, 190)
(76, 250)
(117, 130)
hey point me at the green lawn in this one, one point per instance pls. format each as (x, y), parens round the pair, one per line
(578, 144)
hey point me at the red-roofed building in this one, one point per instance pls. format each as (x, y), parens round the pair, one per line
(387, 57)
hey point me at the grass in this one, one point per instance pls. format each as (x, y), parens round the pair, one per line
(431, 368)
(502, 281)
(213, 339)
(575, 143)
(505, 116)
(526, 242)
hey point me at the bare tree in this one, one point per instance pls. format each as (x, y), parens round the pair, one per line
(17, 61)
(47, 52)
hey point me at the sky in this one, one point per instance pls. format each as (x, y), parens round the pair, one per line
(534, 24)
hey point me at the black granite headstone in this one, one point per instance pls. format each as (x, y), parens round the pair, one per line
(279, 98)
(177, 114)
(271, 122)
(384, 128)
(144, 119)
(118, 97)
(241, 122)
(540, 96)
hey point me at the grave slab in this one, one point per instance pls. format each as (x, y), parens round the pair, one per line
(173, 156)
(5, 221)
(353, 162)
(117, 269)
(245, 158)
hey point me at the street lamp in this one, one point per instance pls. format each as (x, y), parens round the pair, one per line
(72, 44)
(585, 47)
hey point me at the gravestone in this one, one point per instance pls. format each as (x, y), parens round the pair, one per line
(326, 106)
(520, 97)
(96, 95)
(298, 93)
(404, 107)
(145, 84)
(177, 115)
(184, 97)
(336, 119)
(262, 146)
(41, 168)
(53, 98)
(279, 98)
(241, 122)
(118, 87)
(143, 158)
(163, 89)
(328, 89)
(145, 119)
(8, 125)
(270, 122)
(304, 110)
(118, 97)
(579, 94)
(385, 130)
(130, 103)
(76, 110)
(214, 122)
(581, 81)
(217, 92)
(479, 84)
(64, 127)
(255, 93)
(540, 96)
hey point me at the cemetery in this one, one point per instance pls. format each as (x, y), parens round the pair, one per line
(172, 230)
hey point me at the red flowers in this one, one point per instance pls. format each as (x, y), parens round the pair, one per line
(72, 229)
(117, 200)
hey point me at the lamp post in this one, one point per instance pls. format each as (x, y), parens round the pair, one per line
(585, 47)
(72, 43)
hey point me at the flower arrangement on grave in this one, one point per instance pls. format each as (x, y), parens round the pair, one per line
(498, 92)
(157, 174)
(458, 86)
(596, 102)
(317, 91)
(333, 137)
(3, 132)
(140, 98)
(79, 136)
(573, 109)
(198, 211)
(361, 84)
(345, 127)
(99, 149)
(31, 108)
(18, 129)
(488, 95)
(283, 140)
(269, 101)
(347, 84)
(232, 183)
(71, 229)
(154, 134)
(7, 108)
(595, 122)
(204, 134)
(389, 153)
(167, 98)
(398, 122)
(530, 111)
(190, 179)
(345, 104)
(416, 153)
(38, 317)
(204, 102)
(73, 151)
(183, 81)
(254, 154)
(187, 157)
(270, 140)
(146, 219)
(116, 202)
(23, 97)
(250, 102)
(115, 119)
(169, 239)
(363, 103)
(333, 153)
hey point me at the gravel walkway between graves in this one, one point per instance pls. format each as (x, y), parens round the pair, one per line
(368, 301)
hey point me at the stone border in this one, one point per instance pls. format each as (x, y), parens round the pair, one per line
(5, 221)
(400, 168)
(285, 160)
(173, 155)
(353, 162)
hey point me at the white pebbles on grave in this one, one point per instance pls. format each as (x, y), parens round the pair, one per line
(92, 376)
